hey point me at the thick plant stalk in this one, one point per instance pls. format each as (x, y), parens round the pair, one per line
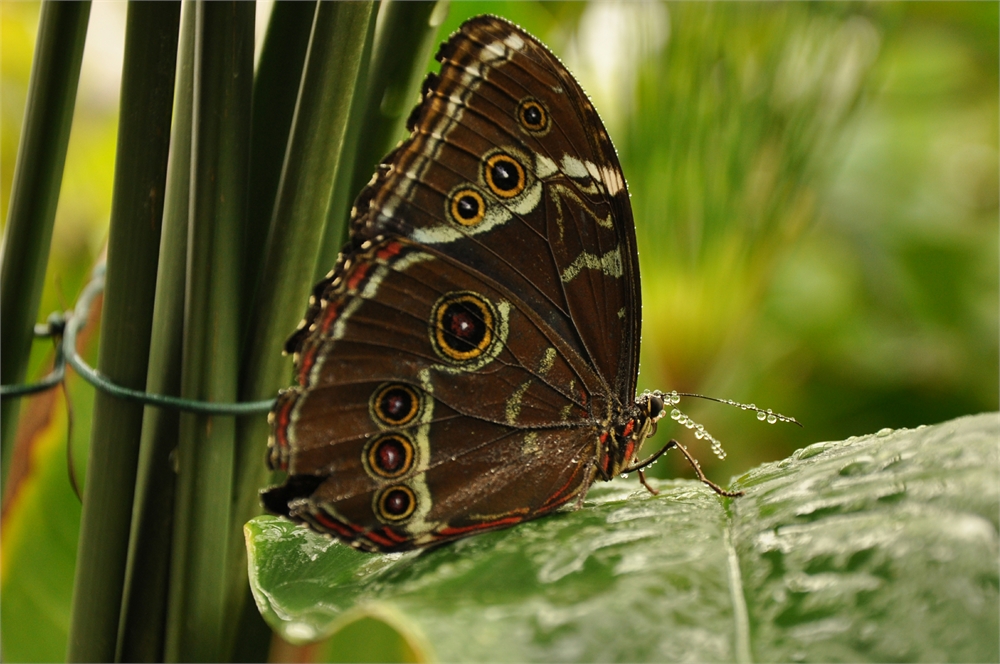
(144, 608)
(133, 246)
(41, 155)
(223, 76)
(275, 91)
(303, 200)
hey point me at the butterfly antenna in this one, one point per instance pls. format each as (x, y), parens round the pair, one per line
(764, 415)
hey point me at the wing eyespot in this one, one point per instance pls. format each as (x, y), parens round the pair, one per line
(504, 175)
(395, 504)
(466, 207)
(389, 456)
(394, 404)
(462, 325)
(533, 117)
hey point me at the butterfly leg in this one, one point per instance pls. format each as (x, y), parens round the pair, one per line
(642, 478)
(639, 466)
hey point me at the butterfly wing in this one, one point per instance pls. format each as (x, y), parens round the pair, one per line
(462, 366)
(431, 403)
(509, 168)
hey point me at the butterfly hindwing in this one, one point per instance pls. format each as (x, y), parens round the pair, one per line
(445, 391)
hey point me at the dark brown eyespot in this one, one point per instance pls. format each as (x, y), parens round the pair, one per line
(394, 404)
(462, 325)
(395, 503)
(389, 456)
(504, 175)
(533, 116)
(467, 207)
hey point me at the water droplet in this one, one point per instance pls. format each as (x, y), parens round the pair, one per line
(699, 434)
(771, 419)
(675, 414)
(882, 433)
(761, 416)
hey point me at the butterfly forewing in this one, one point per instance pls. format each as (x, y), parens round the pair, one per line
(558, 229)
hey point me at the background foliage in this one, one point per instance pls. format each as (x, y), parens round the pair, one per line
(816, 198)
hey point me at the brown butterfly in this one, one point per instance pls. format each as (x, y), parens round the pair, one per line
(471, 361)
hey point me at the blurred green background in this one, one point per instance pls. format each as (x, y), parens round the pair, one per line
(815, 190)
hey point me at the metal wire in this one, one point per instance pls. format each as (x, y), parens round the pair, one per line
(68, 326)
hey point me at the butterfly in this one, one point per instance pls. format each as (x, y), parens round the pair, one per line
(471, 361)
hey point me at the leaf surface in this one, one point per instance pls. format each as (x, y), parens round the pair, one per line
(876, 548)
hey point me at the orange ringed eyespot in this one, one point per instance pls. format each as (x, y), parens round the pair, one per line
(395, 404)
(504, 175)
(396, 503)
(389, 456)
(462, 326)
(532, 116)
(467, 207)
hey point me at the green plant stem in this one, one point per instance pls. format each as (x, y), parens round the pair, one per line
(133, 245)
(301, 209)
(276, 88)
(199, 580)
(144, 609)
(338, 214)
(41, 155)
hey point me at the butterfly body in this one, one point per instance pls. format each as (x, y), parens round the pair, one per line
(471, 361)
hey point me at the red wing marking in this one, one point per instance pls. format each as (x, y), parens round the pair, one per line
(281, 430)
(331, 314)
(378, 539)
(357, 276)
(389, 250)
(393, 535)
(306, 360)
(330, 524)
(628, 429)
(507, 521)
(554, 501)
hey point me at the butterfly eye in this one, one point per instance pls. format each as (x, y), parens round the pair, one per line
(533, 116)
(394, 404)
(467, 207)
(462, 326)
(504, 175)
(389, 456)
(655, 406)
(395, 503)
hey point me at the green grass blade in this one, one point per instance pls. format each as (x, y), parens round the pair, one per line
(145, 600)
(276, 88)
(133, 246)
(343, 197)
(222, 89)
(41, 155)
(302, 205)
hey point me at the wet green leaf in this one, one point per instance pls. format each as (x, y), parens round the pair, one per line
(870, 549)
